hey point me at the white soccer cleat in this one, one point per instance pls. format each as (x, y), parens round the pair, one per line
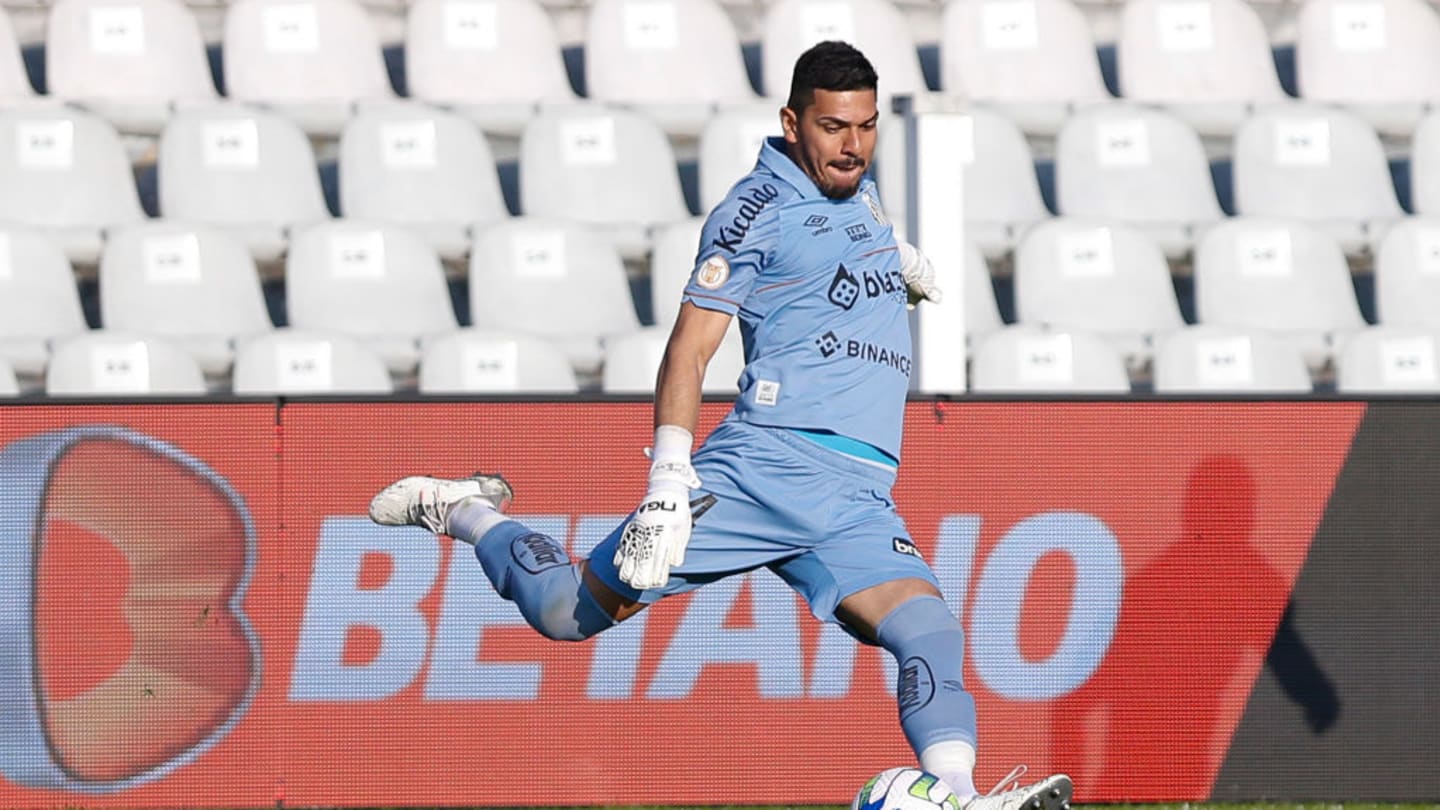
(420, 500)
(1050, 793)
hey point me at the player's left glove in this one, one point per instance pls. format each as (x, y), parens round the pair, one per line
(655, 538)
(919, 276)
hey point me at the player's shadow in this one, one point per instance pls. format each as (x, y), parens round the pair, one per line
(1299, 675)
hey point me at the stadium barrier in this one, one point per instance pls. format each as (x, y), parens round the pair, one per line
(1169, 600)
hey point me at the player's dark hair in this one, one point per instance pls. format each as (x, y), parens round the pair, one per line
(830, 65)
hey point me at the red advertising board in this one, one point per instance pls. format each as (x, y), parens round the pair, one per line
(221, 626)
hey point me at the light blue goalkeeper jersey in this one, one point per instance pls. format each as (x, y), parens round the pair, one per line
(816, 285)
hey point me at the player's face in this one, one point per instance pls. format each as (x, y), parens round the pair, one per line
(833, 139)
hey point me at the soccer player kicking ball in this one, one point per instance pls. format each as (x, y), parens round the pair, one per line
(797, 478)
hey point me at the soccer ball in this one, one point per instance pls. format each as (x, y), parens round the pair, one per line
(905, 789)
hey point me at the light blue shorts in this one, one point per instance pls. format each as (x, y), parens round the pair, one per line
(822, 521)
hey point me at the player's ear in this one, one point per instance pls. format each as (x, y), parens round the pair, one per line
(790, 125)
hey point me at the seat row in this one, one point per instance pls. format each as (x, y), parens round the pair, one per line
(254, 173)
(1209, 360)
(497, 59)
(1018, 359)
(383, 285)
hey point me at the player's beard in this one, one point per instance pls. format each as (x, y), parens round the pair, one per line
(838, 190)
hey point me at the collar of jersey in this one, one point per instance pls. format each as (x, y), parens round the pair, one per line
(776, 158)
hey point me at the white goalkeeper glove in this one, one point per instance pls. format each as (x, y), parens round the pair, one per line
(655, 538)
(919, 276)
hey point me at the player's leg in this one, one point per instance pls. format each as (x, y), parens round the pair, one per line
(908, 617)
(530, 569)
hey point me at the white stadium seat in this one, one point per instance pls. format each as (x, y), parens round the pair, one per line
(553, 279)
(39, 302)
(428, 170)
(192, 285)
(65, 173)
(601, 166)
(1390, 359)
(479, 361)
(1207, 61)
(674, 60)
(295, 361)
(1030, 359)
(115, 363)
(495, 62)
(311, 60)
(9, 384)
(1318, 164)
(379, 284)
(249, 171)
(1279, 275)
(129, 61)
(1143, 167)
(671, 264)
(1407, 274)
(1378, 58)
(1034, 60)
(1107, 279)
(1226, 360)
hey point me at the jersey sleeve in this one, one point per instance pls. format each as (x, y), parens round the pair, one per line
(735, 244)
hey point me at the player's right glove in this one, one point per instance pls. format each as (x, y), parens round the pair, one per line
(655, 538)
(919, 276)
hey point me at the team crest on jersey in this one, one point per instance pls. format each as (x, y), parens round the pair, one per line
(874, 206)
(713, 273)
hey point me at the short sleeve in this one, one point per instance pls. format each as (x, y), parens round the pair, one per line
(735, 243)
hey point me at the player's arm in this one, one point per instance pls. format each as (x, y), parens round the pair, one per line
(655, 538)
(697, 335)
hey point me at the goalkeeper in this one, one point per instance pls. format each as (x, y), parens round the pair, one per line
(798, 477)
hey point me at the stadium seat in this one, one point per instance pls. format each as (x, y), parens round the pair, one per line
(476, 361)
(1033, 60)
(1379, 58)
(1143, 167)
(1425, 166)
(1032, 360)
(493, 62)
(9, 384)
(875, 27)
(311, 60)
(632, 362)
(671, 264)
(552, 279)
(295, 361)
(246, 170)
(730, 144)
(1389, 359)
(1224, 360)
(1279, 275)
(428, 170)
(1208, 62)
(379, 284)
(191, 285)
(65, 173)
(14, 81)
(982, 313)
(674, 60)
(131, 62)
(39, 302)
(1407, 274)
(1318, 164)
(601, 166)
(116, 363)
(1002, 192)
(1109, 280)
